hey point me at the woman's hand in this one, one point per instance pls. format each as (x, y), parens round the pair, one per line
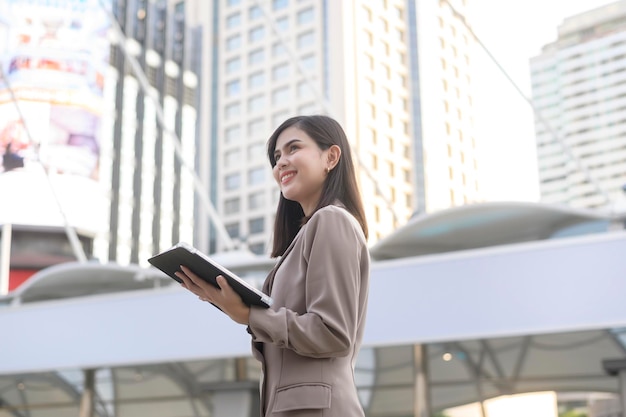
(223, 297)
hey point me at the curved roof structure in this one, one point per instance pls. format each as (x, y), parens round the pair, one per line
(486, 224)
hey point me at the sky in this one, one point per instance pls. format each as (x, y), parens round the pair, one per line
(513, 31)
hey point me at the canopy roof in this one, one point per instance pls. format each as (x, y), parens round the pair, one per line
(487, 224)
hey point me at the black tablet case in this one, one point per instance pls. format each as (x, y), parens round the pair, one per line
(169, 261)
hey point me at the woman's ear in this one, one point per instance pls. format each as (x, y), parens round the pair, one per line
(334, 154)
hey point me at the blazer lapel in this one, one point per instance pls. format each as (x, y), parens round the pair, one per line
(269, 281)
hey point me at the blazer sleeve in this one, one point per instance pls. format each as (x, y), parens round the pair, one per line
(333, 247)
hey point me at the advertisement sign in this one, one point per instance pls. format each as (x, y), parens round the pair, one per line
(54, 56)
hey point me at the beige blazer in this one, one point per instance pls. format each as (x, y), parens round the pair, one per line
(309, 339)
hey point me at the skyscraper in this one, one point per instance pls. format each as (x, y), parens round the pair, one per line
(396, 74)
(578, 85)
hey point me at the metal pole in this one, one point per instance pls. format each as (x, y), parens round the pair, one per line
(622, 391)
(5, 258)
(421, 405)
(87, 399)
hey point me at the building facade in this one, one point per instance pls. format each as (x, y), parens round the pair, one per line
(579, 88)
(149, 137)
(395, 74)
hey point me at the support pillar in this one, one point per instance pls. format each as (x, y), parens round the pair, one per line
(617, 367)
(5, 258)
(89, 393)
(421, 394)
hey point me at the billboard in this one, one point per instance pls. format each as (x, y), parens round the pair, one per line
(54, 57)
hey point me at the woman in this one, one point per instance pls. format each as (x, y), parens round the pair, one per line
(309, 339)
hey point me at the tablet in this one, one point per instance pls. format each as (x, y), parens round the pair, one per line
(169, 261)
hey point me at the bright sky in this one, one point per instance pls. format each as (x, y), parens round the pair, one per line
(514, 31)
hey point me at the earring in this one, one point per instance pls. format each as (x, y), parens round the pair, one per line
(327, 170)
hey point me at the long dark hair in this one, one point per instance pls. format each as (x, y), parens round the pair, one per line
(340, 184)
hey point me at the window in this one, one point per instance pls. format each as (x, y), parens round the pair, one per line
(257, 248)
(280, 72)
(279, 117)
(308, 62)
(279, 4)
(309, 108)
(232, 205)
(256, 200)
(232, 110)
(232, 134)
(278, 49)
(256, 80)
(233, 42)
(256, 34)
(256, 127)
(254, 12)
(233, 88)
(233, 2)
(232, 229)
(256, 225)
(232, 158)
(256, 151)
(256, 56)
(282, 24)
(233, 20)
(304, 90)
(256, 103)
(306, 39)
(280, 96)
(305, 16)
(256, 176)
(233, 65)
(232, 181)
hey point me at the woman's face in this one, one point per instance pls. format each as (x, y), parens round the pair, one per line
(300, 168)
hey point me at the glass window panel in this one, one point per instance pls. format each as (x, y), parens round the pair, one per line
(257, 34)
(256, 151)
(256, 200)
(233, 20)
(232, 205)
(256, 176)
(233, 88)
(256, 56)
(279, 4)
(308, 62)
(256, 225)
(233, 230)
(232, 181)
(255, 12)
(256, 127)
(305, 16)
(232, 110)
(280, 72)
(278, 49)
(256, 103)
(280, 96)
(257, 248)
(306, 39)
(232, 158)
(256, 80)
(233, 42)
(282, 24)
(233, 65)
(232, 134)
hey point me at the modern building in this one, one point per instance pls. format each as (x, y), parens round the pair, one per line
(578, 87)
(99, 128)
(396, 74)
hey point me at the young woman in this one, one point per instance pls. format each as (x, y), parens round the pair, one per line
(309, 339)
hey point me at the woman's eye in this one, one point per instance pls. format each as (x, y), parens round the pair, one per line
(293, 148)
